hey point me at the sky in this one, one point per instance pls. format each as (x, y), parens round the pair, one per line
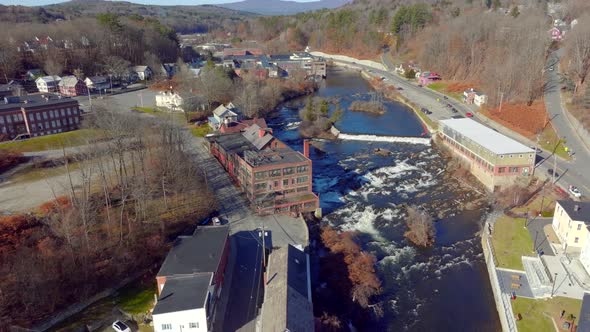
(145, 2)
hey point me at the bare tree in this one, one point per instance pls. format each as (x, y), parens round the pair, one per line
(9, 60)
(577, 53)
(53, 67)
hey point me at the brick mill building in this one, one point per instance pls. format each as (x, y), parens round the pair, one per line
(494, 159)
(275, 178)
(38, 115)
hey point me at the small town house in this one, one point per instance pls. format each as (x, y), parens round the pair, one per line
(71, 86)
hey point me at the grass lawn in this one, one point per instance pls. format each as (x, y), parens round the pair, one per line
(52, 142)
(536, 313)
(200, 131)
(442, 88)
(149, 110)
(511, 241)
(137, 298)
(548, 140)
(35, 174)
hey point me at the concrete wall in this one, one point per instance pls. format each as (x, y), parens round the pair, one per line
(368, 63)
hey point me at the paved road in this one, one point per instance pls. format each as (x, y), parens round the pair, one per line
(570, 173)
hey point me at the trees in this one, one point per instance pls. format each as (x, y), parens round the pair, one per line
(410, 18)
(53, 67)
(577, 54)
(9, 60)
(421, 230)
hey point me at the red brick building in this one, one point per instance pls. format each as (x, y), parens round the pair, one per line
(275, 178)
(38, 115)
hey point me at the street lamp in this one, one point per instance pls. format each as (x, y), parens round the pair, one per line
(553, 286)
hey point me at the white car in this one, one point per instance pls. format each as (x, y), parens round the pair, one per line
(575, 191)
(216, 221)
(119, 326)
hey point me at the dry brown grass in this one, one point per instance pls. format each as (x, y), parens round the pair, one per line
(525, 120)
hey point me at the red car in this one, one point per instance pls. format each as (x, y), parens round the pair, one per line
(469, 114)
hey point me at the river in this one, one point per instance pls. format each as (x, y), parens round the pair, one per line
(443, 288)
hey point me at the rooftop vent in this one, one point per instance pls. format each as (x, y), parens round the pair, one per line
(576, 207)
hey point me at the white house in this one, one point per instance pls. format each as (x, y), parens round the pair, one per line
(48, 83)
(170, 100)
(183, 304)
(570, 223)
(472, 96)
(143, 72)
(96, 83)
(224, 114)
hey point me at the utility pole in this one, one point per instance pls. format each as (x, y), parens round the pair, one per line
(501, 100)
(89, 99)
(553, 286)
(554, 165)
(140, 99)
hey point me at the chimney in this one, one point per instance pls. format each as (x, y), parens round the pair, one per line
(306, 144)
(261, 133)
(576, 207)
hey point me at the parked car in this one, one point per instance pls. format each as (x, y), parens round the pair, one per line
(399, 88)
(445, 97)
(458, 117)
(119, 326)
(575, 191)
(454, 110)
(551, 68)
(469, 114)
(449, 106)
(551, 172)
(419, 85)
(537, 150)
(216, 221)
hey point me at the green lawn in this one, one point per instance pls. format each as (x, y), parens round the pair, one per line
(511, 241)
(54, 141)
(548, 140)
(536, 313)
(200, 131)
(149, 110)
(137, 298)
(442, 88)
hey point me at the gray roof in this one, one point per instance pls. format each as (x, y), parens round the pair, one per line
(252, 135)
(97, 79)
(583, 212)
(68, 81)
(138, 69)
(584, 316)
(31, 101)
(183, 293)
(486, 137)
(287, 297)
(49, 79)
(198, 253)
(223, 111)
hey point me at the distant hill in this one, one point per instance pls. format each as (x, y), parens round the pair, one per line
(182, 18)
(280, 7)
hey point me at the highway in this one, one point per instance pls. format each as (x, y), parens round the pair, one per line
(568, 173)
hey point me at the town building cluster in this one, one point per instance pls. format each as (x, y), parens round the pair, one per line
(280, 65)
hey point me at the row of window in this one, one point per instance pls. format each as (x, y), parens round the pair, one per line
(510, 169)
(18, 117)
(519, 156)
(57, 123)
(190, 326)
(277, 172)
(299, 180)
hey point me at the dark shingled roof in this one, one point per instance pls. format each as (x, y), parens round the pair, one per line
(199, 253)
(583, 213)
(11, 103)
(183, 293)
(584, 319)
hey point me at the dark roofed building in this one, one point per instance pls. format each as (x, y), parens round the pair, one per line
(190, 279)
(38, 115)
(184, 293)
(287, 302)
(276, 178)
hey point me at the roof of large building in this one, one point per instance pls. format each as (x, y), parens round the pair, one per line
(183, 293)
(252, 134)
(486, 137)
(584, 319)
(198, 253)
(579, 211)
(226, 110)
(30, 101)
(287, 298)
